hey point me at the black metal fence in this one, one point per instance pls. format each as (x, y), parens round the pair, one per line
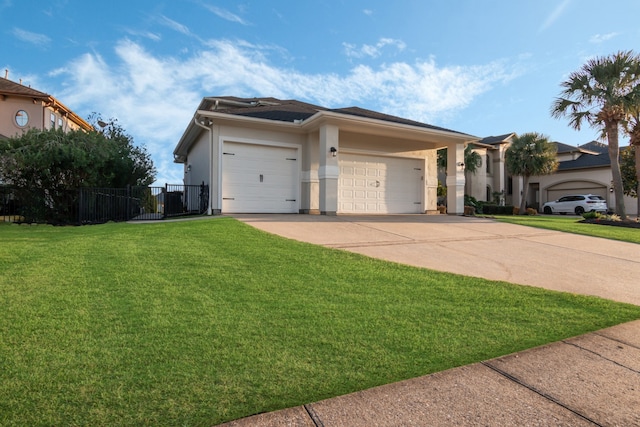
(99, 205)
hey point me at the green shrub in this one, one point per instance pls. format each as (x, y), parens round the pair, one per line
(470, 201)
(489, 209)
(532, 212)
(592, 215)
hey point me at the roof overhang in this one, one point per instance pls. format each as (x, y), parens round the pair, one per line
(432, 137)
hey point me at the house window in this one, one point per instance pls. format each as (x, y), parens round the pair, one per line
(488, 195)
(510, 185)
(53, 121)
(488, 162)
(22, 118)
(60, 122)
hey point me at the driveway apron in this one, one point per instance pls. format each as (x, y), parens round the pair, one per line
(477, 247)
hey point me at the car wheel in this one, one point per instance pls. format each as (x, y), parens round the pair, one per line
(547, 210)
(579, 210)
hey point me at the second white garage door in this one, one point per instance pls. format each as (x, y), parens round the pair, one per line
(379, 185)
(576, 187)
(259, 178)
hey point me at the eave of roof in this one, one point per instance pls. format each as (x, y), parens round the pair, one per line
(302, 117)
(9, 88)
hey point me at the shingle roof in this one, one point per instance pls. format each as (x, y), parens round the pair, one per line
(496, 139)
(565, 148)
(596, 146)
(273, 109)
(586, 160)
(361, 112)
(7, 87)
(291, 110)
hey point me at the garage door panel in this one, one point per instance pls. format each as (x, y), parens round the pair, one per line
(259, 178)
(379, 185)
(575, 187)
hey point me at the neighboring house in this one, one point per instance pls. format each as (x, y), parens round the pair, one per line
(492, 181)
(585, 169)
(22, 108)
(265, 155)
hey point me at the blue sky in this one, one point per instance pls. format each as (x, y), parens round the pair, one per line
(483, 67)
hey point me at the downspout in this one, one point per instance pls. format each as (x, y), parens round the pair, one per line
(195, 120)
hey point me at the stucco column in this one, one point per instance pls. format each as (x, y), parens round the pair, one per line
(215, 166)
(455, 179)
(310, 183)
(328, 170)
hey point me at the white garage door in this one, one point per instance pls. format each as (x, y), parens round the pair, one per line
(575, 187)
(380, 185)
(259, 179)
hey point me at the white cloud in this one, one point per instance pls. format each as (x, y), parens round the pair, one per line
(154, 97)
(372, 51)
(554, 15)
(174, 25)
(225, 14)
(600, 38)
(145, 34)
(29, 37)
(367, 12)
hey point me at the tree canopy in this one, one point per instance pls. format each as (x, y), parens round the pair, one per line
(45, 168)
(628, 170)
(55, 160)
(530, 154)
(601, 94)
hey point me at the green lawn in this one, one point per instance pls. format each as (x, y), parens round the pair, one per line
(572, 224)
(201, 322)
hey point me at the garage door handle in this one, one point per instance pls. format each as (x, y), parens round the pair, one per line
(377, 184)
(261, 178)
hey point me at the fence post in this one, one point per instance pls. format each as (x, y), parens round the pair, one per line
(80, 206)
(165, 195)
(128, 204)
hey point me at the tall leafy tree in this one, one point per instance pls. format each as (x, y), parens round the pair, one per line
(46, 167)
(530, 154)
(599, 94)
(628, 168)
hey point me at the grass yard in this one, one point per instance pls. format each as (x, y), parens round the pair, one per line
(572, 224)
(201, 322)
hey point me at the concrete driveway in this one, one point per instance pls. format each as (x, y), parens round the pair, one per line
(475, 247)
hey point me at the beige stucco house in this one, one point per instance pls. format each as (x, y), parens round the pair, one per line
(583, 169)
(266, 155)
(22, 108)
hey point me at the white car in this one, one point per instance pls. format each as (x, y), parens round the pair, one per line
(576, 204)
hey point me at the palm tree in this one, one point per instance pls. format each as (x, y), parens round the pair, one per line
(472, 160)
(599, 94)
(530, 154)
(633, 129)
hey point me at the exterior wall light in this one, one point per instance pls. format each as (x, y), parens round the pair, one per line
(461, 164)
(189, 168)
(334, 151)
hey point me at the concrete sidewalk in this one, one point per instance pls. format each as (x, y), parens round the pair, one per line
(590, 380)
